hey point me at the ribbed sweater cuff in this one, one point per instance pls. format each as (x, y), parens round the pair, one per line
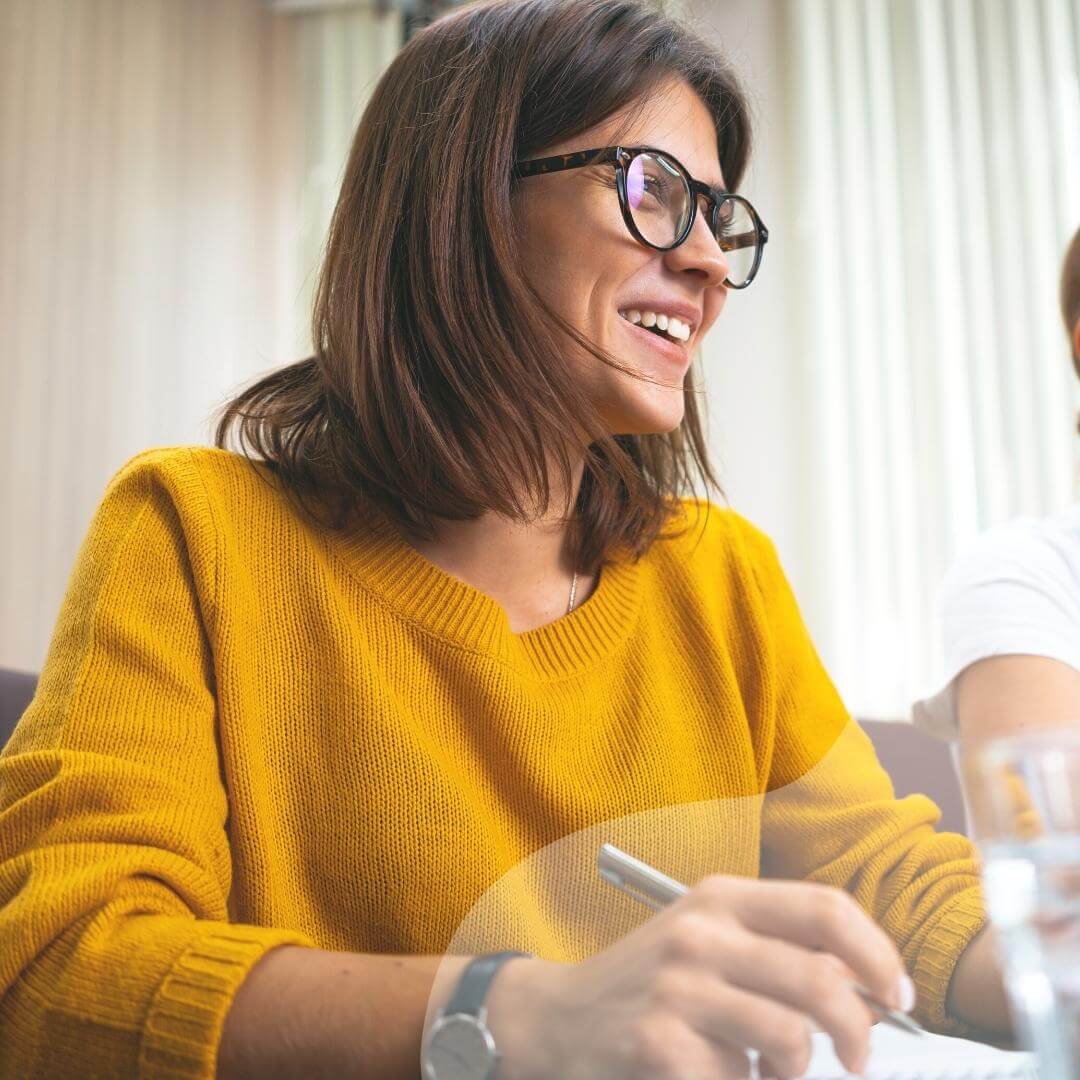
(934, 965)
(187, 1014)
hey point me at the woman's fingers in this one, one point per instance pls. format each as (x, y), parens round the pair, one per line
(815, 917)
(740, 987)
(673, 1048)
(816, 983)
(728, 1015)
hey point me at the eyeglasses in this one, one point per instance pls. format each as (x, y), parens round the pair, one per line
(659, 202)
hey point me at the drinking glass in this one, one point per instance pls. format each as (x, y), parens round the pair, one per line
(1023, 796)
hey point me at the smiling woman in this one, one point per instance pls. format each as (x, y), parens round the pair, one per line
(307, 705)
(432, 246)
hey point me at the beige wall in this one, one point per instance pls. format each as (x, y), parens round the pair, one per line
(162, 196)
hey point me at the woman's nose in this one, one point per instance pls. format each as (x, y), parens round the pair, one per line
(700, 251)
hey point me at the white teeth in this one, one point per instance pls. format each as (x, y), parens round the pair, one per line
(673, 327)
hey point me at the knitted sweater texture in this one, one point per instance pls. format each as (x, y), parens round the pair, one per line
(251, 731)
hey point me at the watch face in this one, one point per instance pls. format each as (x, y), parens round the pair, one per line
(460, 1049)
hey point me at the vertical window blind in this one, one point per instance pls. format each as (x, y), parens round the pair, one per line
(936, 185)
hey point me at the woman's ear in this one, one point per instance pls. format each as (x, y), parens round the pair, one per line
(1076, 346)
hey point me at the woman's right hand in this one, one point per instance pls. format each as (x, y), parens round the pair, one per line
(735, 964)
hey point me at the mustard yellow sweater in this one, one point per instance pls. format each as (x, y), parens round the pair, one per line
(251, 732)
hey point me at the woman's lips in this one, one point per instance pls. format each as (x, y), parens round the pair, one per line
(662, 346)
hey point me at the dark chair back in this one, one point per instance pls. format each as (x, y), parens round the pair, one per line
(920, 764)
(16, 691)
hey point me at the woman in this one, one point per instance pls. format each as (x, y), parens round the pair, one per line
(298, 717)
(1010, 608)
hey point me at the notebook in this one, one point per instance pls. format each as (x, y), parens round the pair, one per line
(897, 1055)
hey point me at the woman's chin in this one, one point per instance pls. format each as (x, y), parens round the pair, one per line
(652, 418)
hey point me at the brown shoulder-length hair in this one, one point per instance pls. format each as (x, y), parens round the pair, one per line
(439, 387)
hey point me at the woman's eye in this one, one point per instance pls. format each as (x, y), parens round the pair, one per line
(654, 190)
(647, 190)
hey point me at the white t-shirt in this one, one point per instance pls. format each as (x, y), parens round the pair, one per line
(1016, 590)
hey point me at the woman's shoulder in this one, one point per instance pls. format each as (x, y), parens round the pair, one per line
(724, 524)
(722, 539)
(1042, 553)
(1016, 589)
(1013, 590)
(191, 475)
(1025, 530)
(201, 490)
(180, 462)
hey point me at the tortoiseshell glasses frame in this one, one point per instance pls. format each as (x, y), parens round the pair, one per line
(621, 158)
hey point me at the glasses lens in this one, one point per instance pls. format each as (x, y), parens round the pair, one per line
(738, 237)
(659, 198)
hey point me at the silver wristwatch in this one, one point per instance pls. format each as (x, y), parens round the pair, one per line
(459, 1045)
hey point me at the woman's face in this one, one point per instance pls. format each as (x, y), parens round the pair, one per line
(584, 262)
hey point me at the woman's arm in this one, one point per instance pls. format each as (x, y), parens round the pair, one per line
(1005, 695)
(305, 1013)
(977, 991)
(117, 953)
(830, 813)
(733, 965)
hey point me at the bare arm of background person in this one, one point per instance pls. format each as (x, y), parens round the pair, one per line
(1011, 694)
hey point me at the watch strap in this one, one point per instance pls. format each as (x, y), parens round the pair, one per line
(472, 987)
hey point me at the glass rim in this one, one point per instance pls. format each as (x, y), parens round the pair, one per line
(1063, 738)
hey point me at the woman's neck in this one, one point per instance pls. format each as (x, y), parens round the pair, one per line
(526, 567)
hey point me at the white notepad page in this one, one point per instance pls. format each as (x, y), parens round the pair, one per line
(897, 1055)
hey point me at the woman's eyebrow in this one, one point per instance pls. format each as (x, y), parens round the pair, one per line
(710, 180)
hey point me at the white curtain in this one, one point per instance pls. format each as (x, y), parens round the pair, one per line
(342, 49)
(166, 171)
(936, 182)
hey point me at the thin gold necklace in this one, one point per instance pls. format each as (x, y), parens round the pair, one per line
(573, 591)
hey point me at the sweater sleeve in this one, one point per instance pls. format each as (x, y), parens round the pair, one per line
(116, 954)
(830, 813)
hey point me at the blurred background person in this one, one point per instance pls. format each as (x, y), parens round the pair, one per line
(1010, 610)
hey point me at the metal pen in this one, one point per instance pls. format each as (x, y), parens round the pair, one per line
(656, 890)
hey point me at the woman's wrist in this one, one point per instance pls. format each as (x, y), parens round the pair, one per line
(976, 994)
(308, 1012)
(522, 1010)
